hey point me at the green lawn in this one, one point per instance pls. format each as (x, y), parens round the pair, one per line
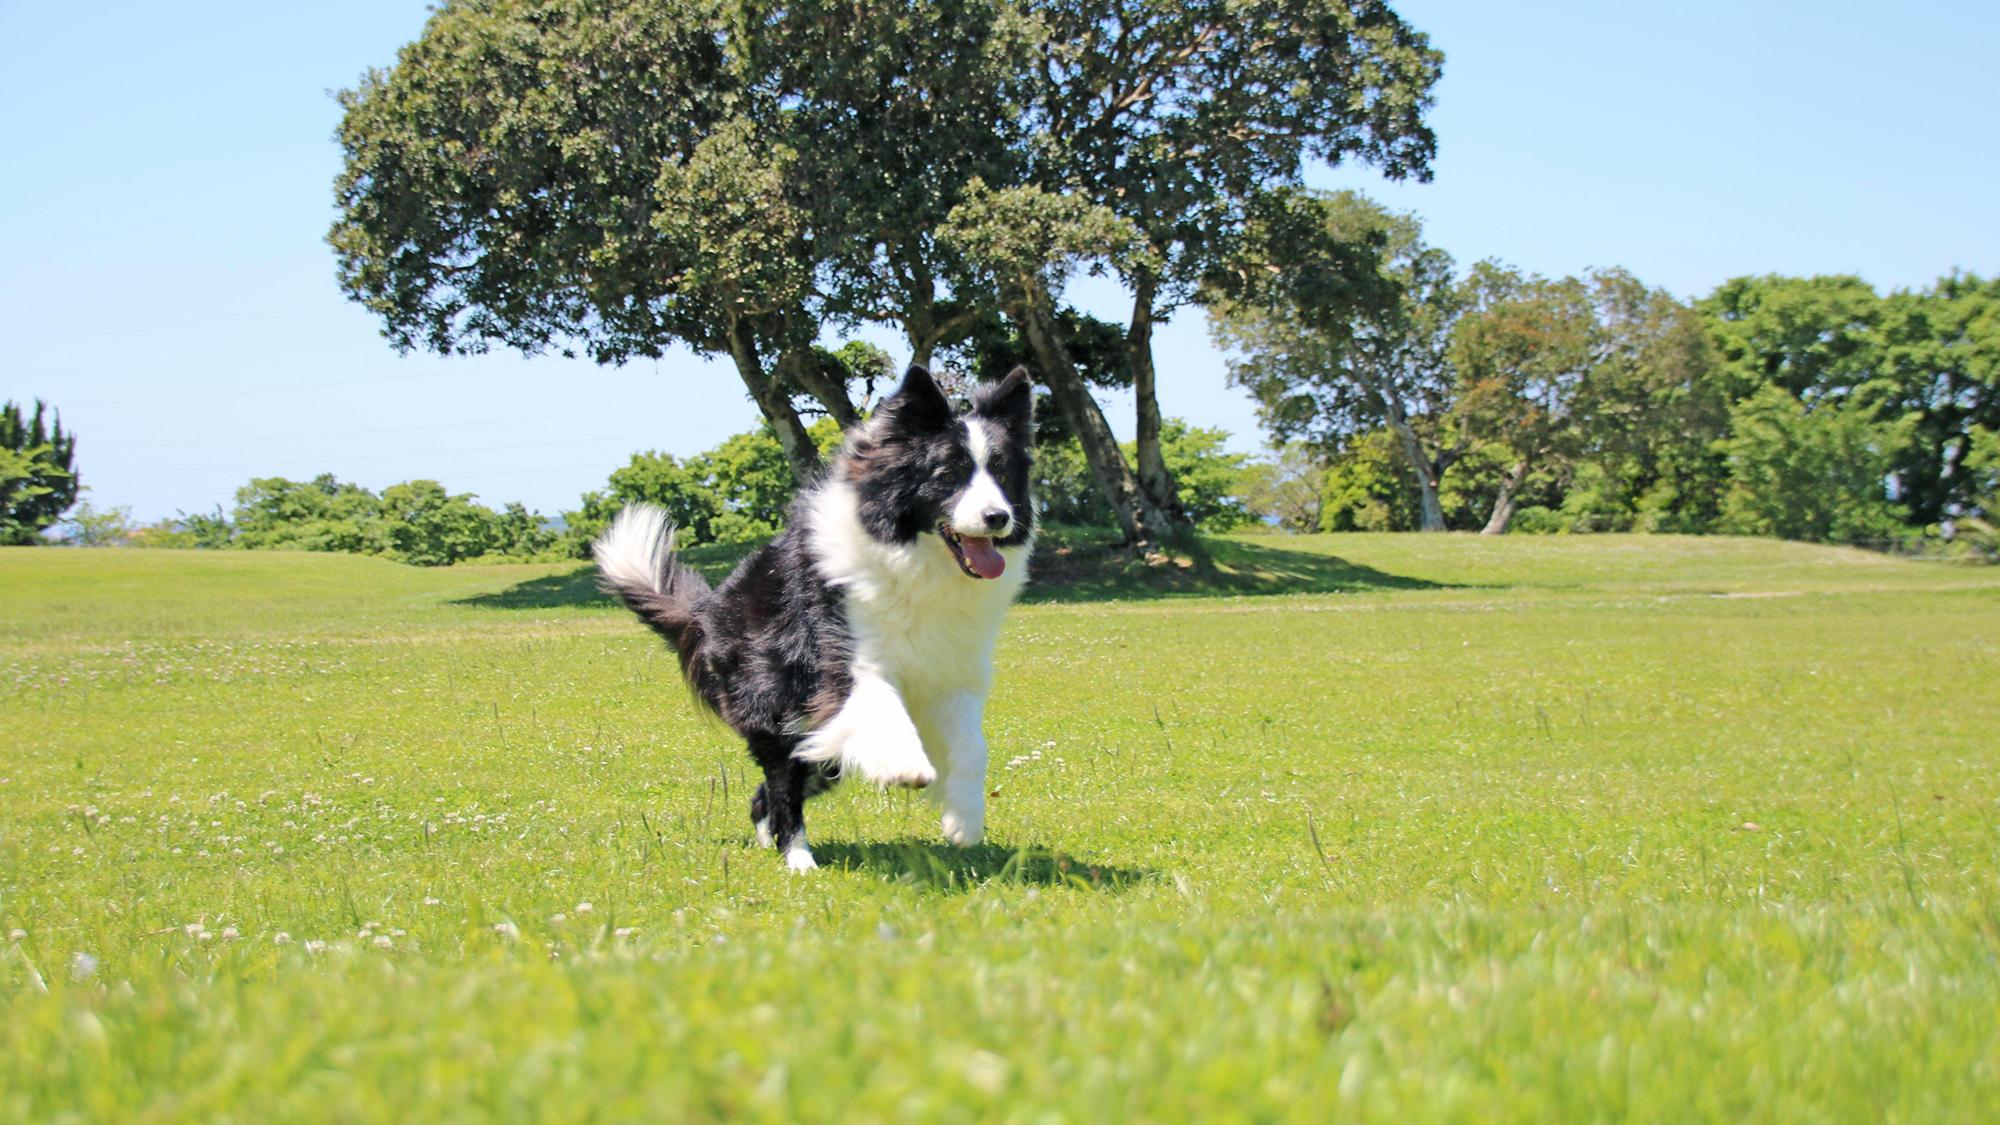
(1382, 827)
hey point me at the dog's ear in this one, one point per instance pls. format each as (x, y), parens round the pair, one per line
(918, 405)
(1010, 401)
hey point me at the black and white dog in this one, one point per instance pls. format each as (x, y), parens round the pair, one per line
(861, 639)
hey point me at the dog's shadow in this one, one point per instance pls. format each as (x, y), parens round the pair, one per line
(934, 865)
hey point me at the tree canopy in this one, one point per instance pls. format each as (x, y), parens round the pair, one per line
(614, 177)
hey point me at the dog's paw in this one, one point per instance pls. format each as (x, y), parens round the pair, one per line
(800, 859)
(964, 828)
(764, 839)
(898, 761)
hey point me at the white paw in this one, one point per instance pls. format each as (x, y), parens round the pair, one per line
(963, 827)
(764, 839)
(800, 859)
(897, 760)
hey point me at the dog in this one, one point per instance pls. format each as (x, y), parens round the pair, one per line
(860, 640)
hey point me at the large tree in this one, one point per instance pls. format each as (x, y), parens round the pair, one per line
(1026, 243)
(1172, 114)
(895, 108)
(580, 175)
(1339, 319)
(1521, 351)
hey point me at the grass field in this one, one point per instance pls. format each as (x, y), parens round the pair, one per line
(1376, 827)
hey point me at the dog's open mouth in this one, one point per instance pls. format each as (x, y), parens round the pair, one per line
(976, 554)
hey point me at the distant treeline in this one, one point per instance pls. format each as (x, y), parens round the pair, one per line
(1805, 408)
(736, 493)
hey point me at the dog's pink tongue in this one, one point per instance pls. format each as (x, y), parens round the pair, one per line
(982, 556)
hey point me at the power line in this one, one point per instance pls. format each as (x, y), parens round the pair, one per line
(281, 389)
(194, 322)
(393, 429)
(152, 470)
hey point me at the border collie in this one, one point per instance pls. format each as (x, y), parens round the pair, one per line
(860, 640)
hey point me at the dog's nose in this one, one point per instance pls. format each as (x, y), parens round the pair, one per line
(996, 518)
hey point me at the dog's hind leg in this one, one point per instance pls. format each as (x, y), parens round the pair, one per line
(783, 801)
(818, 780)
(760, 816)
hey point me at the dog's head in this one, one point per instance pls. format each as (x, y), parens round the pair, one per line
(921, 468)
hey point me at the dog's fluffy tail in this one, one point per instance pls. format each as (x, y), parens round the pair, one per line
(635, 561)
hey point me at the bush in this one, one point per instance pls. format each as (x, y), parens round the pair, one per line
(1816, 473)
(739, 492)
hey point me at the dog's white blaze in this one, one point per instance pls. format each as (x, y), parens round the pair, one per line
(968, 516)
(635, 549)
(923, 651)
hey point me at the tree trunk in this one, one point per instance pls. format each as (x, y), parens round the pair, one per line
(1107, 465)
(812, 378)
(770, 396)
(1424, 468)
(1156, 484)
(1503, 505)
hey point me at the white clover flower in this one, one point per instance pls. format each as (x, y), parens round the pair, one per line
(194, 929)
(583, 908)
(384, 941)
(315, 947)
(281, 938)
(429, 901)
(229, 933)
(82, 965)
(17, 935)
(625, 931)
(507, 930)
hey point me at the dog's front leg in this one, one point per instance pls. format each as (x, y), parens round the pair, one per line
(874, 736)
(958, 721)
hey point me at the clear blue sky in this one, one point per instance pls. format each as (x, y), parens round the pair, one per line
(166, 190)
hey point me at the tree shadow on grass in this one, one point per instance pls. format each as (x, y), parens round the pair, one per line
(1069, 566)
(937, 866)
(578, 587)
(1091, 570)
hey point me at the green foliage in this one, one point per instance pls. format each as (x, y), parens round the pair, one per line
(418, 522)
(88, 526)
(1288, 489)
(1809, 336)
(38, 480)
(201, 531)
(1369, 488)
(1940, 368)
(1801, 472)
(428, 526)
(323, 514)
(1211, 479)
(739, 492)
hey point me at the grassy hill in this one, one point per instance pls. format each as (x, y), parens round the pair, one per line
(1384, 826)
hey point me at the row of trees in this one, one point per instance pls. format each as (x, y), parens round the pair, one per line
(416, 522)
(1414, 395)
(736, 494)
(614, 177)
